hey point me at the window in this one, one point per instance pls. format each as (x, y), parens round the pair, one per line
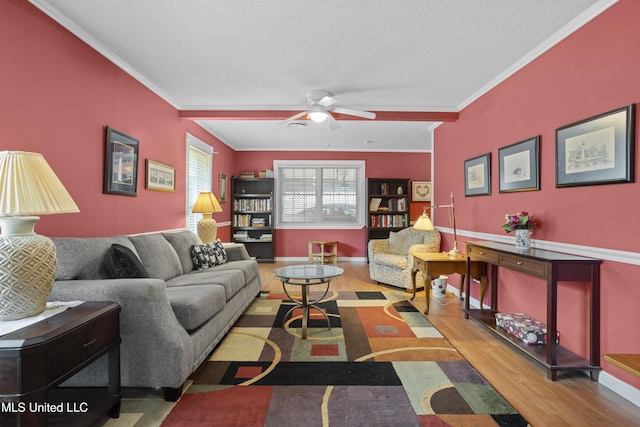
(312, 194)
(199, 176)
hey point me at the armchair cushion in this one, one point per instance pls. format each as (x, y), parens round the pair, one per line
(399, 243)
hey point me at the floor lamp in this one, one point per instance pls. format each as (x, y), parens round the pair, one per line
(207, 204)
(424, 223)
(28, 187)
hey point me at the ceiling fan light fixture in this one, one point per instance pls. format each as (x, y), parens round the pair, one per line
(318, 116)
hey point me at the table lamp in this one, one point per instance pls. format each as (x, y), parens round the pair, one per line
(424, 223)
(28, 187)
(207, 204)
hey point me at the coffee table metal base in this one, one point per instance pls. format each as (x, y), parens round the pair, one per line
(305, 303)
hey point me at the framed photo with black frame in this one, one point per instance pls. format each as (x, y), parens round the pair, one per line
(597, 150)
(120, 163)
(477, 176)
(519, 166)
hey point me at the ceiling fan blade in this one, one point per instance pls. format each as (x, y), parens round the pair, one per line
(357, 113)
(327, 101)
(333, 123)
(295, 116)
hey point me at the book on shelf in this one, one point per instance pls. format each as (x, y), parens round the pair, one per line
(374, 203)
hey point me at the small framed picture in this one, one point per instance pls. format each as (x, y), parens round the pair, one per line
(223, 188)
(420, 191)
(519, 165)
(160, 177)
(597, 150)
(477, 176)
(120, 164)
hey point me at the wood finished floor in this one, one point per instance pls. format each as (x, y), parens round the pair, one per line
(573, 400)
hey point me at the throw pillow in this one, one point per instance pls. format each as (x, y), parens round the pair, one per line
(398, 243)
(121, 262)
(202, 256)
(220, 253)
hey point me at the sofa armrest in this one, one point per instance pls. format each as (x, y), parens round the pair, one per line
(145, 312)
(237, 252)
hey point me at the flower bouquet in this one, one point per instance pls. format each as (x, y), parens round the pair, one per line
(519, 221)
(522, 223)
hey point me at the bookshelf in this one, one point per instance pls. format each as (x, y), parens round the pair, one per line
(387, 210)
(252, 216)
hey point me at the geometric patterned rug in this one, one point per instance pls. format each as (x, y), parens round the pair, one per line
(380, 364)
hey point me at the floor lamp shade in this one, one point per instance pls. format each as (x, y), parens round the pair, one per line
(207, 204)
(28, 187)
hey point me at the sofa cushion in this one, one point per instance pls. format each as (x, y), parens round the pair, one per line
(81, 258)
(194, 305)
(181, 242)
(231, 280)
(249, 268)
(121, 262)
(391, 260)
(157, 255)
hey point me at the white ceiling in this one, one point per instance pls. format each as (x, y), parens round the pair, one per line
(231, 58)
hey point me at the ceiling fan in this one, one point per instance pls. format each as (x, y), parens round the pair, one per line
(320, 105)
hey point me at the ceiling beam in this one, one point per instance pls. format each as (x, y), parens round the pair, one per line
(393, 116)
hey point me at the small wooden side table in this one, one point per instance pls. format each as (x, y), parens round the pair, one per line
(328, 251)
(433, 264)
(35, 359)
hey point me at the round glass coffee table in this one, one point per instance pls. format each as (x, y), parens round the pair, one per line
(305, 276)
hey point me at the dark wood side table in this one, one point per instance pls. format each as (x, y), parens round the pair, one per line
(554, 267)
(39, 357)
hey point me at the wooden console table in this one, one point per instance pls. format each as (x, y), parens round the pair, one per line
(553, 267)
(37, 358)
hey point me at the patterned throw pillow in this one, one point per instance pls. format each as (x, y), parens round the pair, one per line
(220, 252)
(209, 255)
(202, 256)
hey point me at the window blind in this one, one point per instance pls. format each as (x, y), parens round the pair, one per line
(199, 176)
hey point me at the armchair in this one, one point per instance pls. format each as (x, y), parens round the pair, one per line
(390, 260)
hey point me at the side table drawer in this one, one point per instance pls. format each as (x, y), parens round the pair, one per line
(481, 254)
(70, 350)
(532, 267)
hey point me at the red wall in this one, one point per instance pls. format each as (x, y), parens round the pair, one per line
(293, 242)
(56, 97)
(593, 71)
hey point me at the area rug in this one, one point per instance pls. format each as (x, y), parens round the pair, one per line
(381, 363)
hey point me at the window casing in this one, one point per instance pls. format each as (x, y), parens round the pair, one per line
(199, 176)
(320, 194)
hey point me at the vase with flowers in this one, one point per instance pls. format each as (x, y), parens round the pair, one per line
(522, 223)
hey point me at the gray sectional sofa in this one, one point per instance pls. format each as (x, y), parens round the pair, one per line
(172, 319)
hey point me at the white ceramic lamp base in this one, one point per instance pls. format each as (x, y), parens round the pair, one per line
(207, 228)
(27, 268)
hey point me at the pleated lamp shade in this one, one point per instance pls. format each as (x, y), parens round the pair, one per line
(28, 187)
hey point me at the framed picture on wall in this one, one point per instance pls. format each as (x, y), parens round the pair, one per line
(223, 188)
(420, 191)
(597, 150)
(120, 164)
(160, 177)
(519, 165)
(477, 176)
